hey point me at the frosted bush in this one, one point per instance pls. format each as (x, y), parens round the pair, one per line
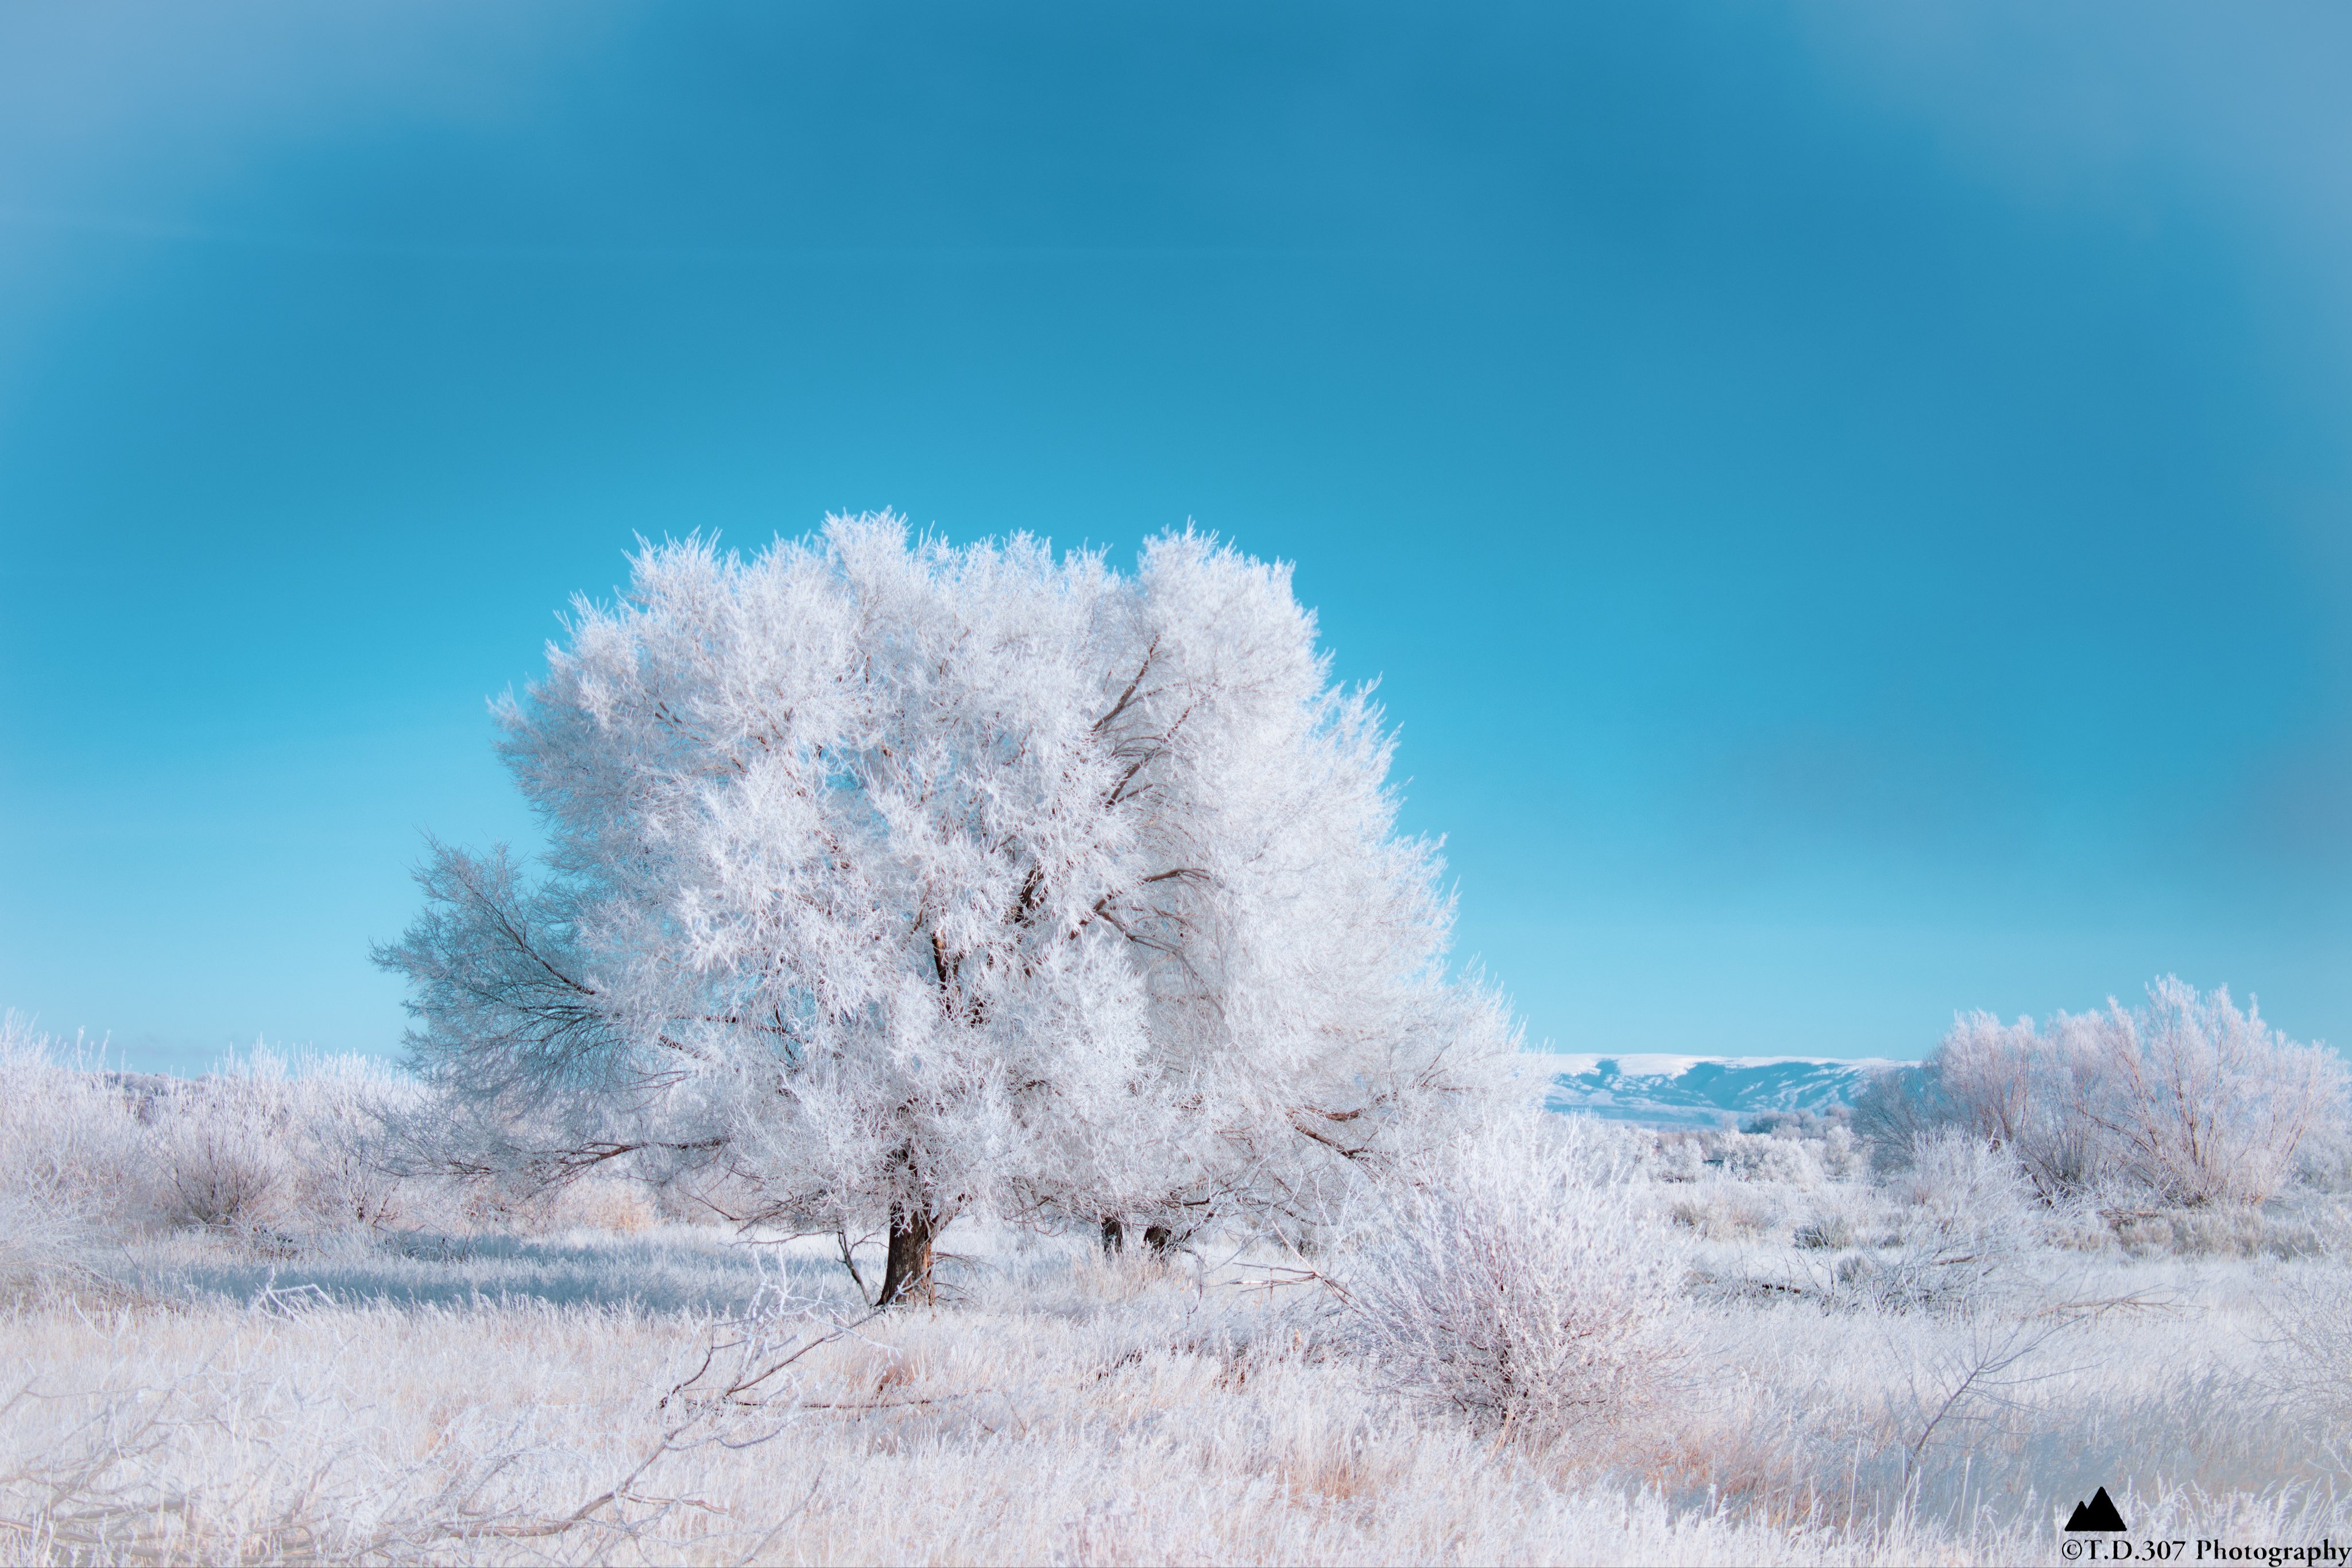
(2309, 1359)
(54, 1140)
(345, 1168)
(72, 1159)
(38, 1243)
(2036, 1093)
(2186, 1099)
(1515, 1279)
(259, 1141)
(311, 1143)
(2323, 1161)
(2209, 1104)
(219, 1170)
(1726, 1209)
(1675, 1157)
(1955, 1182)
(1895, 1107)
(224, 1142)
(1836, 1216)
(1801, 1159)
(1754, 1156)
(1842, 1156)
(1965, 1227)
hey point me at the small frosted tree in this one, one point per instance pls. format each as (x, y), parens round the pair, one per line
(891, 880)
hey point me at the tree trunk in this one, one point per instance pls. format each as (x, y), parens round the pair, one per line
(908, 1270)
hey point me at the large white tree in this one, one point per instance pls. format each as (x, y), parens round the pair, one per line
(889, 880)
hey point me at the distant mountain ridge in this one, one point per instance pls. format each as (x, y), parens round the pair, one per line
(1699, 1090)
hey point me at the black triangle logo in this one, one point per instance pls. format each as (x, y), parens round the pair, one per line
(2099, 1513)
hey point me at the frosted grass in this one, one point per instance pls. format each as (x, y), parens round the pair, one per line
(1058, 1406)
(673, 1270)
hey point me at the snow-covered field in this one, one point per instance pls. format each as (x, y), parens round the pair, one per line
(1056, 1407)
(1918, 1368)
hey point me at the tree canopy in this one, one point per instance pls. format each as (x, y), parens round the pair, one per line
(888, 877)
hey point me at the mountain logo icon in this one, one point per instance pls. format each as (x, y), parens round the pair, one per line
(2099, 1513)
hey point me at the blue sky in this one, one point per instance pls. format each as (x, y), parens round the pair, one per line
(1848, 504)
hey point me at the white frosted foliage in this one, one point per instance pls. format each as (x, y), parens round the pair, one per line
(888, 876)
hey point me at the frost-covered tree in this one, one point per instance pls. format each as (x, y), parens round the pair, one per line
(2187, 1098)
(889, 880)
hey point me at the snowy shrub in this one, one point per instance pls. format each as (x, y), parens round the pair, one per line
(1841, 1154)
(2186, 1099)
(70, 1149)
(38, 1242)
(1806, 1126)
(1675, 1158)
(1895, 1108)
(75, 1170)
(1833, 1230)
(1955, 1184)
(2035, 1093)
(1835, 1217)
(2207, 1104)
(258, 1141)
(345, 1166)
(2309, 1361)
(1723, 1209)
(1965, 1229)
(224, 1142)
(1822, 1150)
(1753, 1157)
(2323, 1161)
(1515, 1279)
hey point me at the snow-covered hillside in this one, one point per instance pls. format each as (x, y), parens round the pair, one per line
(1698, 1090)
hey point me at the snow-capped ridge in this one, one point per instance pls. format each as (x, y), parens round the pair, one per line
(1697, 1091)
